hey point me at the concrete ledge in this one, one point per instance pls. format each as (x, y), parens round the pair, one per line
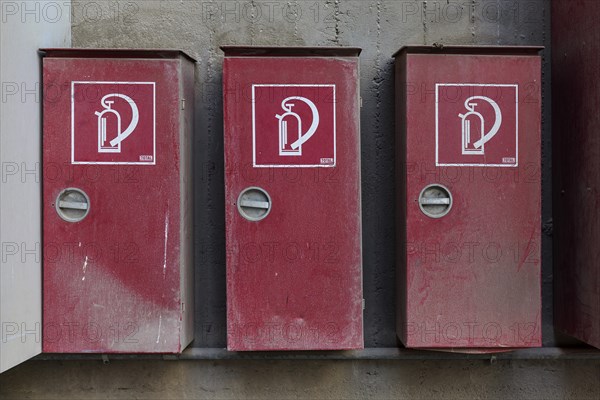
(544, 353)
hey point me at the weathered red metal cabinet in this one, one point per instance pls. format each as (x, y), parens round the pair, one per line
(576, 166)
(116, 201)
(293, 214)
(468, 197)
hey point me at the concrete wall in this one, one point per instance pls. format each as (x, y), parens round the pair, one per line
(380, 28)
(24, 28)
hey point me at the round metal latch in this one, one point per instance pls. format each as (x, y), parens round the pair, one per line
(435, 201)
(72, 205)
(254, 204)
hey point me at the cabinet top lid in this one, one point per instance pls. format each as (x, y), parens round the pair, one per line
(298, 51)
(115, 53)
(474, 50)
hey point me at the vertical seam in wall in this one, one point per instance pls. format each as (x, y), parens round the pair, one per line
(517, 23)
(296, 29)
(378, 71)
(252, 27)
(424, 20)
(498, 18)
(337, 21)
(328, 4)
(72, 19)
(473, 20)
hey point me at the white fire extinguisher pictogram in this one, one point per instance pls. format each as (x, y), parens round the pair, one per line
(474, 136)
(290, 143)
(110, 133)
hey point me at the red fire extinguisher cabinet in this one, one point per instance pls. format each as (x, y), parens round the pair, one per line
(117, 226)
(292, 193)
(468, 197)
